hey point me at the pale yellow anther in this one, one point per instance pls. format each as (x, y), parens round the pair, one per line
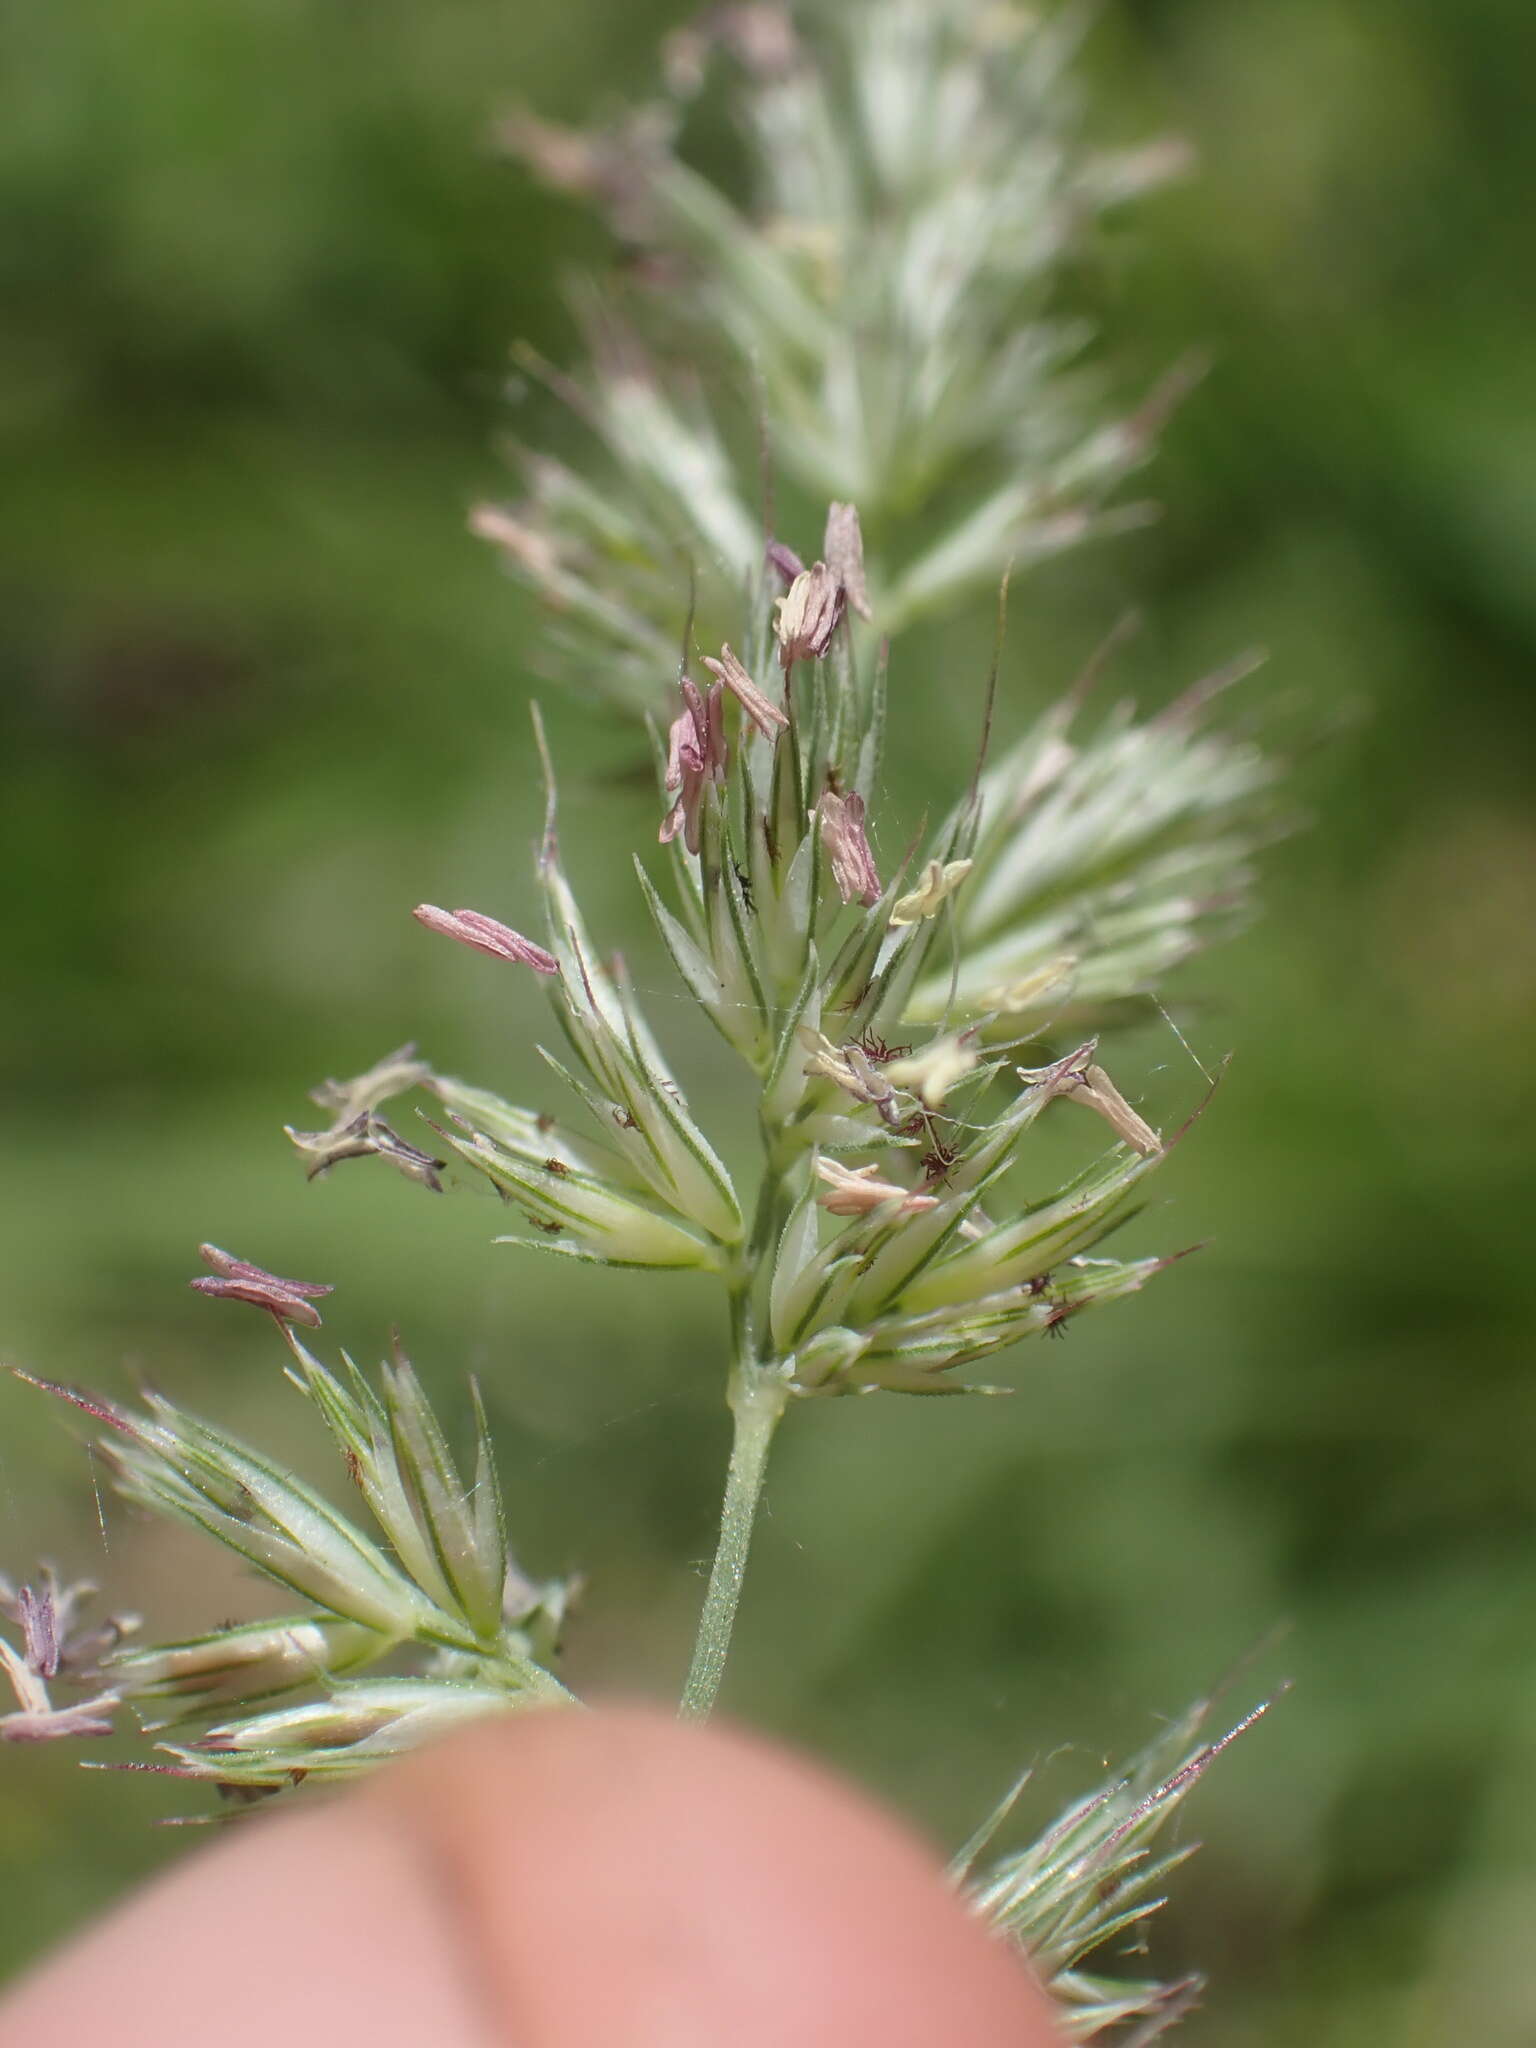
(849, 1068)
(856, 1190)
(827, 1061)
(808, 613)
(940, 880)
(1100, 1093)
(931, 1073)
(1092, 1087)
(1050, 983)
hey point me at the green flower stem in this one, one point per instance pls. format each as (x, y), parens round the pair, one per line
(758, 1398)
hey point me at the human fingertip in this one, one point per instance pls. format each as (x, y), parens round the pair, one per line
(626, 1878)
(301, 1927)
(554, 1879)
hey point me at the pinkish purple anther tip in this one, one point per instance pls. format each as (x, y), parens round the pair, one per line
(808, 615)
(472, 928)
(291, 1301)
(777, 555)
(228, 1267)
(696, 757)
(847, 844)
(763, 712)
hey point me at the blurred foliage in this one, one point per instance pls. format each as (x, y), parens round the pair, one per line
(260, 268)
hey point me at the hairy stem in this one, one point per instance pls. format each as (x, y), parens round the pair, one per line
(757, 1400)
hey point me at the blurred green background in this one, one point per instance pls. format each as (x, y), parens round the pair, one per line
(262, 694)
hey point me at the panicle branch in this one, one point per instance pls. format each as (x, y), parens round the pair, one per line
(885, 305)
(1087, 1886)
(435, 1585)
